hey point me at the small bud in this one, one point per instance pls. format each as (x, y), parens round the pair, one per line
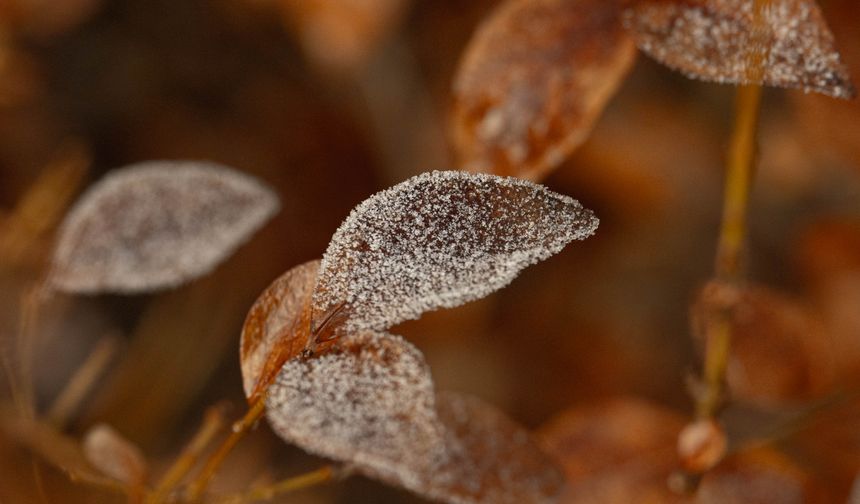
(701, 445)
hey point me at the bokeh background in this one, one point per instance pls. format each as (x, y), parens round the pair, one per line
(328, 106)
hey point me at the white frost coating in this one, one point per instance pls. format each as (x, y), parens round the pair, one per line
(439, 240)
(370, 403)
(714, 40)
(156, 225)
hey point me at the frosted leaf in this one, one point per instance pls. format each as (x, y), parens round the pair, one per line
(438, 240)
(715, 40)
(277, 327)
(491, 458)
(156, 225)
(113, 455)
(369, 402)
(533, 81)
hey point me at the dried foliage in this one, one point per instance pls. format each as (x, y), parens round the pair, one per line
(157, 225)
(534, 79)
(717, 40)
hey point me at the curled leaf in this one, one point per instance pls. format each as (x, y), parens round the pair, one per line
(718, 40)
(369, 402)
(534, 80)
(277, 327)
(438, 240)
(156, 225)
(115, 456)
(492, 458)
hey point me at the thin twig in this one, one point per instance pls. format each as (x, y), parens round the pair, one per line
(68, 401)
(213, 421)
(267, 493)
(240, 428)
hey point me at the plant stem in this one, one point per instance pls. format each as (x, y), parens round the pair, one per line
(266, 493)
(213, 463)
(212, 423)
(82, 381)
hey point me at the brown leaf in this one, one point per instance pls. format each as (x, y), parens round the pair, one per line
(115, 456)
(617, 451)
(277, 327)
(368, 401)
(493, 459)
(342, 34)
(438, 240)
(156, 225)
(780, 351)
(718, 40)
(534, 80)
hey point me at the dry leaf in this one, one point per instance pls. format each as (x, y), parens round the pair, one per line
(277, 327)
(492, 459)
(718, 40)
(157, 225)
(533, 81)
(114, 455)
(369, 401)
(438, 240)
(780, 350)
(341, 34)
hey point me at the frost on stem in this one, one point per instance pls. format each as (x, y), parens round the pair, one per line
(714, 40)
(439, 240)
(156, 225)
(370, 402)
(277, 327)
(533, 81)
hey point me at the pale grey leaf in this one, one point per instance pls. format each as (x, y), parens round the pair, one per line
(438, 240)
(717, 40)
(156, 225)
(112, 454)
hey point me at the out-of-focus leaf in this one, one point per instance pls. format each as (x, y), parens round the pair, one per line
(112, 454)
(369, 401)
(342, 34)
(492, 459)
(157, 225)
(780, 350)
(718, 40)
(533, 81)
(618, 451)
(437, 240)
(277, 327)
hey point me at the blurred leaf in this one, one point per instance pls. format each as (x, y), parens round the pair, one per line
(277, 327)
(718, 40)
(156, 225)
(780, 350)
(114, 455)
(437, 240)
(533, 81)
(340, 35)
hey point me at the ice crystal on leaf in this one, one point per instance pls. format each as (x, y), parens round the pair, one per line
(156, 225)
(533, 81)
(717, 40)
(439, 240)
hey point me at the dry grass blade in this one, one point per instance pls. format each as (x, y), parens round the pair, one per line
(157, 225)
(277, 327)
(534, 80)
(715, 40)
(438, 240)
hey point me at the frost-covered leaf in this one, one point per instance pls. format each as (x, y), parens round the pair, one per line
(156, 225)
(369, 401)
(717, 40)
(114, 455)
(438, 240)
(491, 458)
(277, 327)
(533, 81)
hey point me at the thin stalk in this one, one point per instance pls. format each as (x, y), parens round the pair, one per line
(267, 493)
(68, 401)
(213, 463)
(213, 421)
